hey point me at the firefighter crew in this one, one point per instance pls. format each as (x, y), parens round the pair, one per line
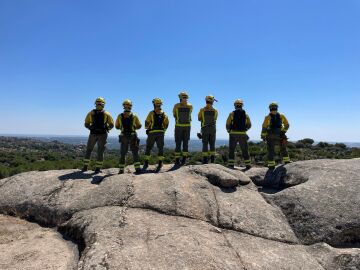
(182, 114)
(273, 132)
(128, 122)
(99, 122)
(156, 124)
(237, 124)
(208, 116)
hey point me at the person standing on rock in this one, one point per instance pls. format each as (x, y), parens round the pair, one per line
(182, 114)
(99, 122)
(237, 124)
(208, 116)
(274, 130)
(128, 122)
(156, 124)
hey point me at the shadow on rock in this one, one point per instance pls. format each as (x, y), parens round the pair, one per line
(79, 175)
(273, 181)
(228, 190)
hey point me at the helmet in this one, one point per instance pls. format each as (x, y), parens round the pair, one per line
(273, 105)
(238, 102)
(183, 95)
(100, 100)
(157, 101)
(210, 99)
(127, 102)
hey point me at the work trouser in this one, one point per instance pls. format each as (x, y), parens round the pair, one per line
(208, 139)
(182, 136)
(274, 139)
(101, 140)
(158, 138)
(242, 139)
(126, 141)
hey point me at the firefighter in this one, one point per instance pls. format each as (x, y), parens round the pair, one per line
(128, 122)
(208, 116)
(156, 124)
(99, 122)
(182, 114)
(237, 124)
(274, 130)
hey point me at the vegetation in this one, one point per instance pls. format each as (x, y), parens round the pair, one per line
(20, 155)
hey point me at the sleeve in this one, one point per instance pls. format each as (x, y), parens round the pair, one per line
(265, 126)
(174, 110)
(137, 122)
(191, 109)
(216, 114)
(109, 121)
(118, 122)
(228, 122)
(286, 124)
(248, 122)
(166, 122)
(200, 115)
(148, 121)
(88, 120)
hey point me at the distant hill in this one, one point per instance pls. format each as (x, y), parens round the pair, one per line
(195, 144)
(28, 154)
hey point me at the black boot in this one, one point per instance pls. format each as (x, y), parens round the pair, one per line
(160, 164)
(177, 162)
(85, 168)
(121, 171)
(97, 170)
(205, 160)
(247, 167)
(146, 165)
(183, 161)
(137, 171)
(212, 159)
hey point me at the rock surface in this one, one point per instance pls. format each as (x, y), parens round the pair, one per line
(199, 217)
(25, 245)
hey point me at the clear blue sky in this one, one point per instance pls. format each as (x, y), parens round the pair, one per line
(56, 57)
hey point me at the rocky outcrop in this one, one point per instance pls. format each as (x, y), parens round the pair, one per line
(199, 217)
(25, 245)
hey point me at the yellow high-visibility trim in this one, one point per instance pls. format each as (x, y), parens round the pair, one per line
(157, 130)
(205, 154)
(238, 132)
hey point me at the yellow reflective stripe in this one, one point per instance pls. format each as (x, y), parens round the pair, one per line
(203, 118)
(271, 163)
(286, 158)
(86, 161)
(177, 154)
(248, 161)
(212, 152)
(157, 130)
(161, 157)
(137, 165)
(183, 125)
(263, 134)
(177, 115)
(231, 161)
(147, 158)
(238, 132)
(205, 154)
(185, 154)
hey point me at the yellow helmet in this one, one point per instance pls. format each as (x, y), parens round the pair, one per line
(157, 101)
(273, 105)
(210, 98)
(238, 102)
(100, 100)
(127, 102)
(183, 95)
